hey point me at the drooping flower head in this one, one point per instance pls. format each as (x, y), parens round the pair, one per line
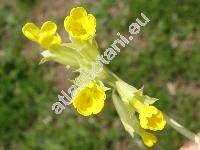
(130, 122)
(79, 24)
(90, 99)
(131, 102)
(150, 117)
(45, 36)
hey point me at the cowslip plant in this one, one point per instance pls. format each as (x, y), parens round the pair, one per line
(136, 110)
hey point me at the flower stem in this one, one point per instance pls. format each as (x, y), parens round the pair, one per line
(182, 130)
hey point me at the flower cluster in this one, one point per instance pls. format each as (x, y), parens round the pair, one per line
(134, 108)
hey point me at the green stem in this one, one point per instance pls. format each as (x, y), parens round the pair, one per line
(112, 78)
(182, 130)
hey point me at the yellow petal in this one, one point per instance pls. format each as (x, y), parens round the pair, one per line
(49, 27)
(78, 13)
(56, 39)
(80, 25)
(74, 28)
(31, 31)
(91, 25)
(98, 92)
(83, 100)
(90, 99)
(83, 103)
(149, 139)
(97, 106)
(85, 112)
(67, 23)
(45, 40)
(151, 118)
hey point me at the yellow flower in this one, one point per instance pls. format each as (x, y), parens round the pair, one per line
(150, 117)
(79, 24)
(130, 121)
(45, 36)
(90, 100)
(149, 139)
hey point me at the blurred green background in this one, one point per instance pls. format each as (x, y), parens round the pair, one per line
(165, 58)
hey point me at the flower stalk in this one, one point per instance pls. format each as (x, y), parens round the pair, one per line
(182, 130)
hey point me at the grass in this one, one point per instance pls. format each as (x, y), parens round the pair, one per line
(27, 90)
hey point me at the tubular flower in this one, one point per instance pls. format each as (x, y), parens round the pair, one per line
(79, 24)
(150, 117)
(134, 101)
(45, 36)
(149, 139)
(130, 122)
(90, 99)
